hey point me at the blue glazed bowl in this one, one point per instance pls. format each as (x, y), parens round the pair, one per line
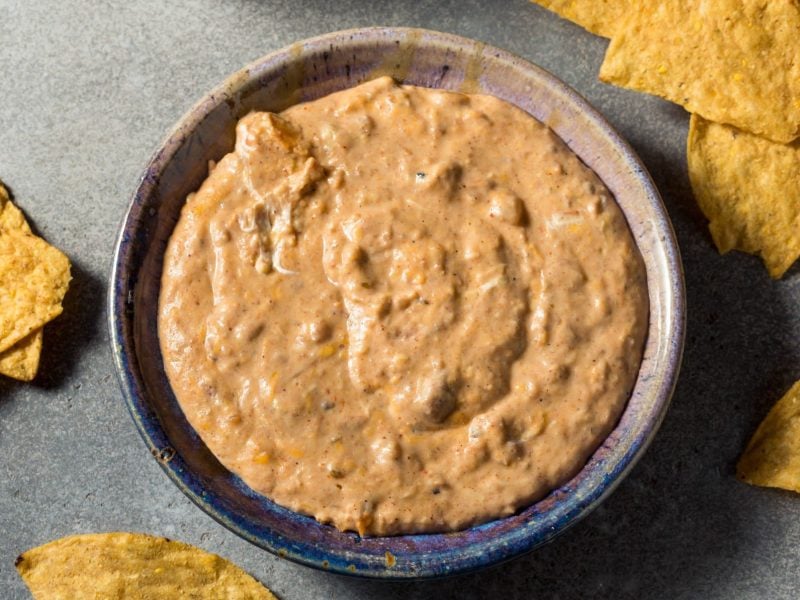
(308, 70)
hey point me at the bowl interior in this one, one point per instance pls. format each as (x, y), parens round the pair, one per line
(309, 70)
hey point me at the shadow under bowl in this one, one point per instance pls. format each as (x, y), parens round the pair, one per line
(308, 70)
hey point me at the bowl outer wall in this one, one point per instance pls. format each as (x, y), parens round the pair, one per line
(307, 70)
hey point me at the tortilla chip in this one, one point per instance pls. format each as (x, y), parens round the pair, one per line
(749, 189)
(11, 218)
(21, 361)
(134, 567)
(600, 17)
(772, 458)
(34, 277)
(730, 61)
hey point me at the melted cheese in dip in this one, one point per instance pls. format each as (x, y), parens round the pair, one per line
(402, 310)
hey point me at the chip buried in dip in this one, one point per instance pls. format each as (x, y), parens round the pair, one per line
(401, 309)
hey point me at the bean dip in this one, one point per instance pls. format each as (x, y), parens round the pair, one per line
(402, 310)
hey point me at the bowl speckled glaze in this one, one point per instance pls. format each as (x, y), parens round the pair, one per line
(308, 70)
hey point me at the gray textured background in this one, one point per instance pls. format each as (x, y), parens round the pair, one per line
(88, 91)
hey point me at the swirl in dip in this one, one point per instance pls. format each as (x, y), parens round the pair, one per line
(402, 310)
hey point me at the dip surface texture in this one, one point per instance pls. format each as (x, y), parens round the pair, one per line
(402, 310)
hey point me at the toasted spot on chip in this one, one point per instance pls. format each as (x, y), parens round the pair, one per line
(772, 458)
(597, 16)
(132, 567)
(730, 61)
(21, 361)
(749, 189)
(34, 277)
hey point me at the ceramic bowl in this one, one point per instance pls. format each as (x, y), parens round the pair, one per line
(305, 71)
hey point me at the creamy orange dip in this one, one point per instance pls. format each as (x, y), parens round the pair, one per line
(402, 310)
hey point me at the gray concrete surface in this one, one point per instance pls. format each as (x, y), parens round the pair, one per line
(87, 90)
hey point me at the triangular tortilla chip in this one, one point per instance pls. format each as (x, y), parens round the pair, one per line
(132, 566)
(11, 218)
(749, 188)
(772, 457)
(730, 61)
(600, 17)
(21, 361)
(34, 277)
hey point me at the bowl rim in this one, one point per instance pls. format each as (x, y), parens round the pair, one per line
(147, 423)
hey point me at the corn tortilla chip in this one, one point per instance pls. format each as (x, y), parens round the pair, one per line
(772, 458)
(11, 218)
(749, 189)
(21, 361)
(132, 567)
(597, 16)
(34, 277)
(730, 61)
